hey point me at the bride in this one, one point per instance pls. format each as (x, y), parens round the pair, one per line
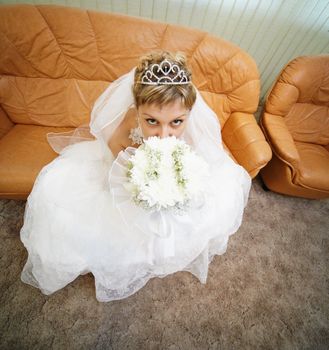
(74, 223)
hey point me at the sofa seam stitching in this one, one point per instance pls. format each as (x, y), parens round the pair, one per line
(163, 35)
(96, 43)
(22, 55)
(59, 46)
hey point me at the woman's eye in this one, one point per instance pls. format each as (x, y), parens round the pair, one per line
(177, 122)
(151, 121)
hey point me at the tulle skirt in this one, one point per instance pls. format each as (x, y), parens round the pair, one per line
(72, 226)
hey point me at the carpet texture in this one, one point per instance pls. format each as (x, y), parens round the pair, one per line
(270, 290)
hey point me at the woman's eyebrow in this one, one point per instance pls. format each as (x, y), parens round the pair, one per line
(182, 115)
(149, 115)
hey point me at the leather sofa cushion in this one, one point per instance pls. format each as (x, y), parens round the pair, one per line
(49, 102)
(308, 122)
(24, 150)
(68, 102)
(313, 171)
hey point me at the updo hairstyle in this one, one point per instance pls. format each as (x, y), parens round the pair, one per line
(163, 94)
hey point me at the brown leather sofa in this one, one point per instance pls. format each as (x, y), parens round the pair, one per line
(295, 121)
(56, 60)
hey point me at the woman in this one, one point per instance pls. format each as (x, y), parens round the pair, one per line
(75, 222)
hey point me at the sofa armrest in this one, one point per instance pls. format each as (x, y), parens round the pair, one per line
(279, 137)
(247, 143)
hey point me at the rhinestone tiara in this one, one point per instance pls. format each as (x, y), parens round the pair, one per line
(164, 73)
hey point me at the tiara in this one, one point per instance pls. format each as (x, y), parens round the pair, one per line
(165, 73)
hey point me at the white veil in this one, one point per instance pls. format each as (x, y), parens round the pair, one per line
(202, 131)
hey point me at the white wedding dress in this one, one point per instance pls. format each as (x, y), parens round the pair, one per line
(73, 224)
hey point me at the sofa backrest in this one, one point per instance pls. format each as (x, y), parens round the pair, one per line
(56, 60)
(301, 96)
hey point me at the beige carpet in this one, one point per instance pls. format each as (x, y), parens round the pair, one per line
(270, 290)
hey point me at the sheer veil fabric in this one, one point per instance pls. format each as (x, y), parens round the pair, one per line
(111, 107)
(75, 221)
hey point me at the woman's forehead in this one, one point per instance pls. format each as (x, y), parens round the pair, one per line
(175, 108)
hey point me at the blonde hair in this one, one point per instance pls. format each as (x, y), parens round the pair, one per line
(163, 94)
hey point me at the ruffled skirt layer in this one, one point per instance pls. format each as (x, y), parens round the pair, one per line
(72, 226)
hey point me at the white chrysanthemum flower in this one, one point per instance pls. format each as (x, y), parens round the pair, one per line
(165, 173)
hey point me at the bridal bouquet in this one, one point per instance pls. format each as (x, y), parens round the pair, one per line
(165, 174)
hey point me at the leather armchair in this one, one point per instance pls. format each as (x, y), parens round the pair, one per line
(56, 60)
(295, 121)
